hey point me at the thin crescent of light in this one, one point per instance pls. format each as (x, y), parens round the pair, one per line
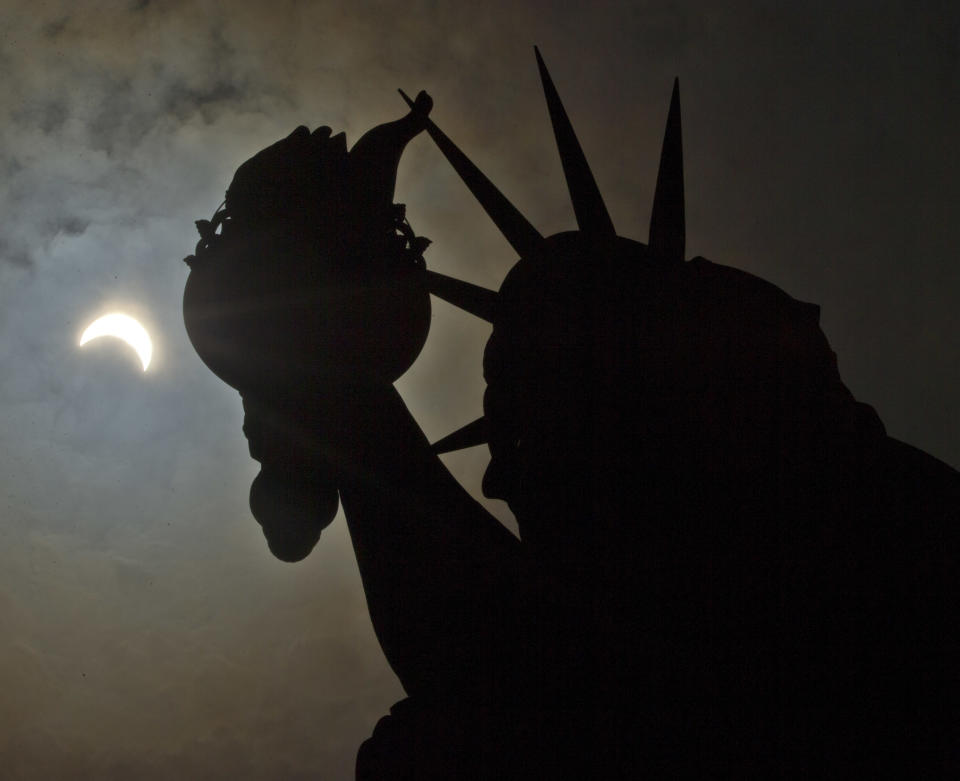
(123, 327)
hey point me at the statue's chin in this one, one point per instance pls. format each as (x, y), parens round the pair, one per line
(292, 510)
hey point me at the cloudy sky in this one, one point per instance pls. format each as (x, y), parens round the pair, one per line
(145, 630)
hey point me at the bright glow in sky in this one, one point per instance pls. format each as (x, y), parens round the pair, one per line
(123, 327)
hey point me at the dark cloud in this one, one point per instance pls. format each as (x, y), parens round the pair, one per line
(54, 28)
(17, 256)
(182, 101)
(68, 226)
(43, 115)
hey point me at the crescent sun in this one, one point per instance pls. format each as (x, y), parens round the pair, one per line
(123, 327)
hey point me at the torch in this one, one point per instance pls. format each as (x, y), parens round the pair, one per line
(308, 282)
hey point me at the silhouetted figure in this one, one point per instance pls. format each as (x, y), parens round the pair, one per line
(726, 568)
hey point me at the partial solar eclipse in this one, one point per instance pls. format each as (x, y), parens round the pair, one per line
(122, 327)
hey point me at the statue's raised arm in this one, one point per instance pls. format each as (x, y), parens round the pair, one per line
(308, 294)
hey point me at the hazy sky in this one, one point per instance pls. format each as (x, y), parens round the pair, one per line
(145, 630)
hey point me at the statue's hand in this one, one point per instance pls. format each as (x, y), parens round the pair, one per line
(292, 509)
(307, 446)
(295, 495)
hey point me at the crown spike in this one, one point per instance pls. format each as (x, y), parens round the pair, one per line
(523, 237)
(588, 206)
(667, 223)
(469, 436)
(476, 300)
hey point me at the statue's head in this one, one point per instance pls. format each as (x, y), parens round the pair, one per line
(624, 381)
(623, 385)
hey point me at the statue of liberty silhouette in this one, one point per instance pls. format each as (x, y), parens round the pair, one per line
(725, 567)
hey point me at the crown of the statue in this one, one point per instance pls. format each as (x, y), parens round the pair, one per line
(666, 242)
